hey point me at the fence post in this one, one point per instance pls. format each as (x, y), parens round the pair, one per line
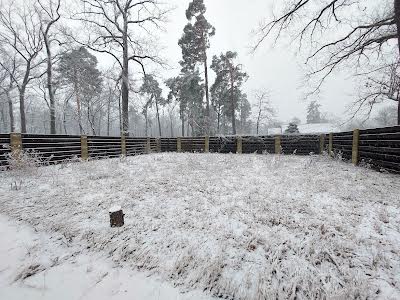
(178, 144)
(354, 149)
(321, 143)
(123, 144)
(148, 146)
(278, 148)
(207, 144)
(239, 145)
(158, 142)
(331, 144)
(15, 144)
(84, 147)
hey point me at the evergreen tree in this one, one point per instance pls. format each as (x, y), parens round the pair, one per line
(78, 70)
(195, 42)
(228, 83)
(313, 113)
(152, 89)
(187, 89)
(292, 129)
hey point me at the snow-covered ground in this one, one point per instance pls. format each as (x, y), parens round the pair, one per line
(235, 226)
(37, 265)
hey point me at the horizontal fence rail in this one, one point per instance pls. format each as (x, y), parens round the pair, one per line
(376, 148)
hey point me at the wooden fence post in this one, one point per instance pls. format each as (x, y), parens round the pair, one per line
(239, 145)
(178, 144)
(158, 143)
(207, 144)
(322, 143)
(123, 144)
(354, 150)
(330, 144)
(278, 148)
(84, 147)
(15, 144)
(148, 146)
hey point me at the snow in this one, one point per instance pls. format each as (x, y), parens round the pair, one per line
(115, 208)
(55, 269)
(235, 226)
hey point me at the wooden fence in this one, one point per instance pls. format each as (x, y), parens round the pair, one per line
(377, 148)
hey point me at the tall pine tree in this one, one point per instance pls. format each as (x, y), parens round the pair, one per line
(194, 43)
(228, 83)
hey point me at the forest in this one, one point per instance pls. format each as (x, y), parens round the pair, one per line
(52, 80)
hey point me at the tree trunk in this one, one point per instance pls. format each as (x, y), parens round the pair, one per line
(183, 122)
(108, 116)
(50, 86)
(10, 111)
(397, 20)
(146, 126)
(208, 125)
(158, 119)
(22, 108)
(78, 103)
(125, 81)
(233, 106)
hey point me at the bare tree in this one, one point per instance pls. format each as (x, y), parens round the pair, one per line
(117, 28)
(7, 85)
(339, 32)
(264, 110)
(20, 36)
(49, 15)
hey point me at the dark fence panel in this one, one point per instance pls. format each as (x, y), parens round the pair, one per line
(380, 148)
(342, 144)
(300, 144)
(227, 144)
(169, 144)
(4, 149)
(103, 147)
(258, 144)
(136, 146)
(53, 148)
(193, 144)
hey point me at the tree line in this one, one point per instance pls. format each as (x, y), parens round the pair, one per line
(51, 81)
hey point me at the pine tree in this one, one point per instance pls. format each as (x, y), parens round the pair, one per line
(227, 85)
(292, 129)
(187, 89)
(313, 113)
(152, 89)
(78, 70)
(194, 43)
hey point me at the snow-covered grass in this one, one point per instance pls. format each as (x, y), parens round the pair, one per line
(236, 226)
(42, 266)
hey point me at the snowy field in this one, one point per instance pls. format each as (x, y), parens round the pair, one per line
(233, 226)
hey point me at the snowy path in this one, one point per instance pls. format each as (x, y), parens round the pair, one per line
(236, 226)
(68, 273)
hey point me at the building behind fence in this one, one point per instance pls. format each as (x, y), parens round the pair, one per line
(378, 148)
